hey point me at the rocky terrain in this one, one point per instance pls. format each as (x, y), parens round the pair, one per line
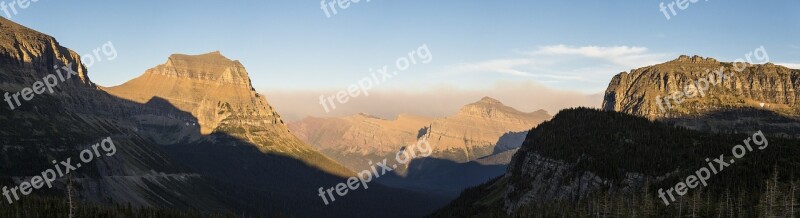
(474, 132)
(217, 92)
(476, 129)
(58, 126)
(586, 162)
(734, 101)
(469, 147)
(190, 134)
(622, 161)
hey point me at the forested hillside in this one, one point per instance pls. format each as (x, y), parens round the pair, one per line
(627, 159)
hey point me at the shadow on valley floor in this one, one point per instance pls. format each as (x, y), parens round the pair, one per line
(276, 184)
(449, 178)
(443, 177)
(217, 172)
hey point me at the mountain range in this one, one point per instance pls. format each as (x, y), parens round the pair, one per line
(587, 162)
(474, 144)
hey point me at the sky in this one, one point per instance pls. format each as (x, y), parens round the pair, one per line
(555, 54)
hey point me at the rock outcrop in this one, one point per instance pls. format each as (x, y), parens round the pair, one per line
(674, 91)
(475, 130)
(216, 91)
(59, 125)
(636, 92)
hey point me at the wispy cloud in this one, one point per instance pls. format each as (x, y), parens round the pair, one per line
(563, 63)
(629, 56)
(790, 65)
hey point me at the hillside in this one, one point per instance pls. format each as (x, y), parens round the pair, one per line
(583, 158)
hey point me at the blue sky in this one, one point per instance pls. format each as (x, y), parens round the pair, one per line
(292, 45)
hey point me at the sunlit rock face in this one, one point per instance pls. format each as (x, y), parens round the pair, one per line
(476, 129)
(736, 93)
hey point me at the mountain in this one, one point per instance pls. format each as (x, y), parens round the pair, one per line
(351, 138)
(474, 131)
(468, 148)
(239, 139)
(733, 98)
(191, 136)
(217, 91)
(587, 162)
(660, 124)
(58, 125)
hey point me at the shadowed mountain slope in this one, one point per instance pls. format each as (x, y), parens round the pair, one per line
(247, 164)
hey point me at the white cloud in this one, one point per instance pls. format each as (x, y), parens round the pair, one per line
(790, 65)
(587, 65)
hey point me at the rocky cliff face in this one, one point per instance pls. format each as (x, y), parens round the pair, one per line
(59, 125)
(636, 92)
(650, 92)
(209, 86)
(217, 92)
(533, 179)
(475, 130)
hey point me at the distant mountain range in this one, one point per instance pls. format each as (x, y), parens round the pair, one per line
(473, 145)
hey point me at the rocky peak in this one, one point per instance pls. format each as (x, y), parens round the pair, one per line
(28, 55)
(489, 108)
(489, 100)
(210, 67)
(210, 86)
(650, 91)
(696, 59)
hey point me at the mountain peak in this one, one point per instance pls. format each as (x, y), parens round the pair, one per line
(693, 59)
(212, 61)
(489, 100)
(215, 56)
(487, 107)
(209, 67)
(29, 49)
